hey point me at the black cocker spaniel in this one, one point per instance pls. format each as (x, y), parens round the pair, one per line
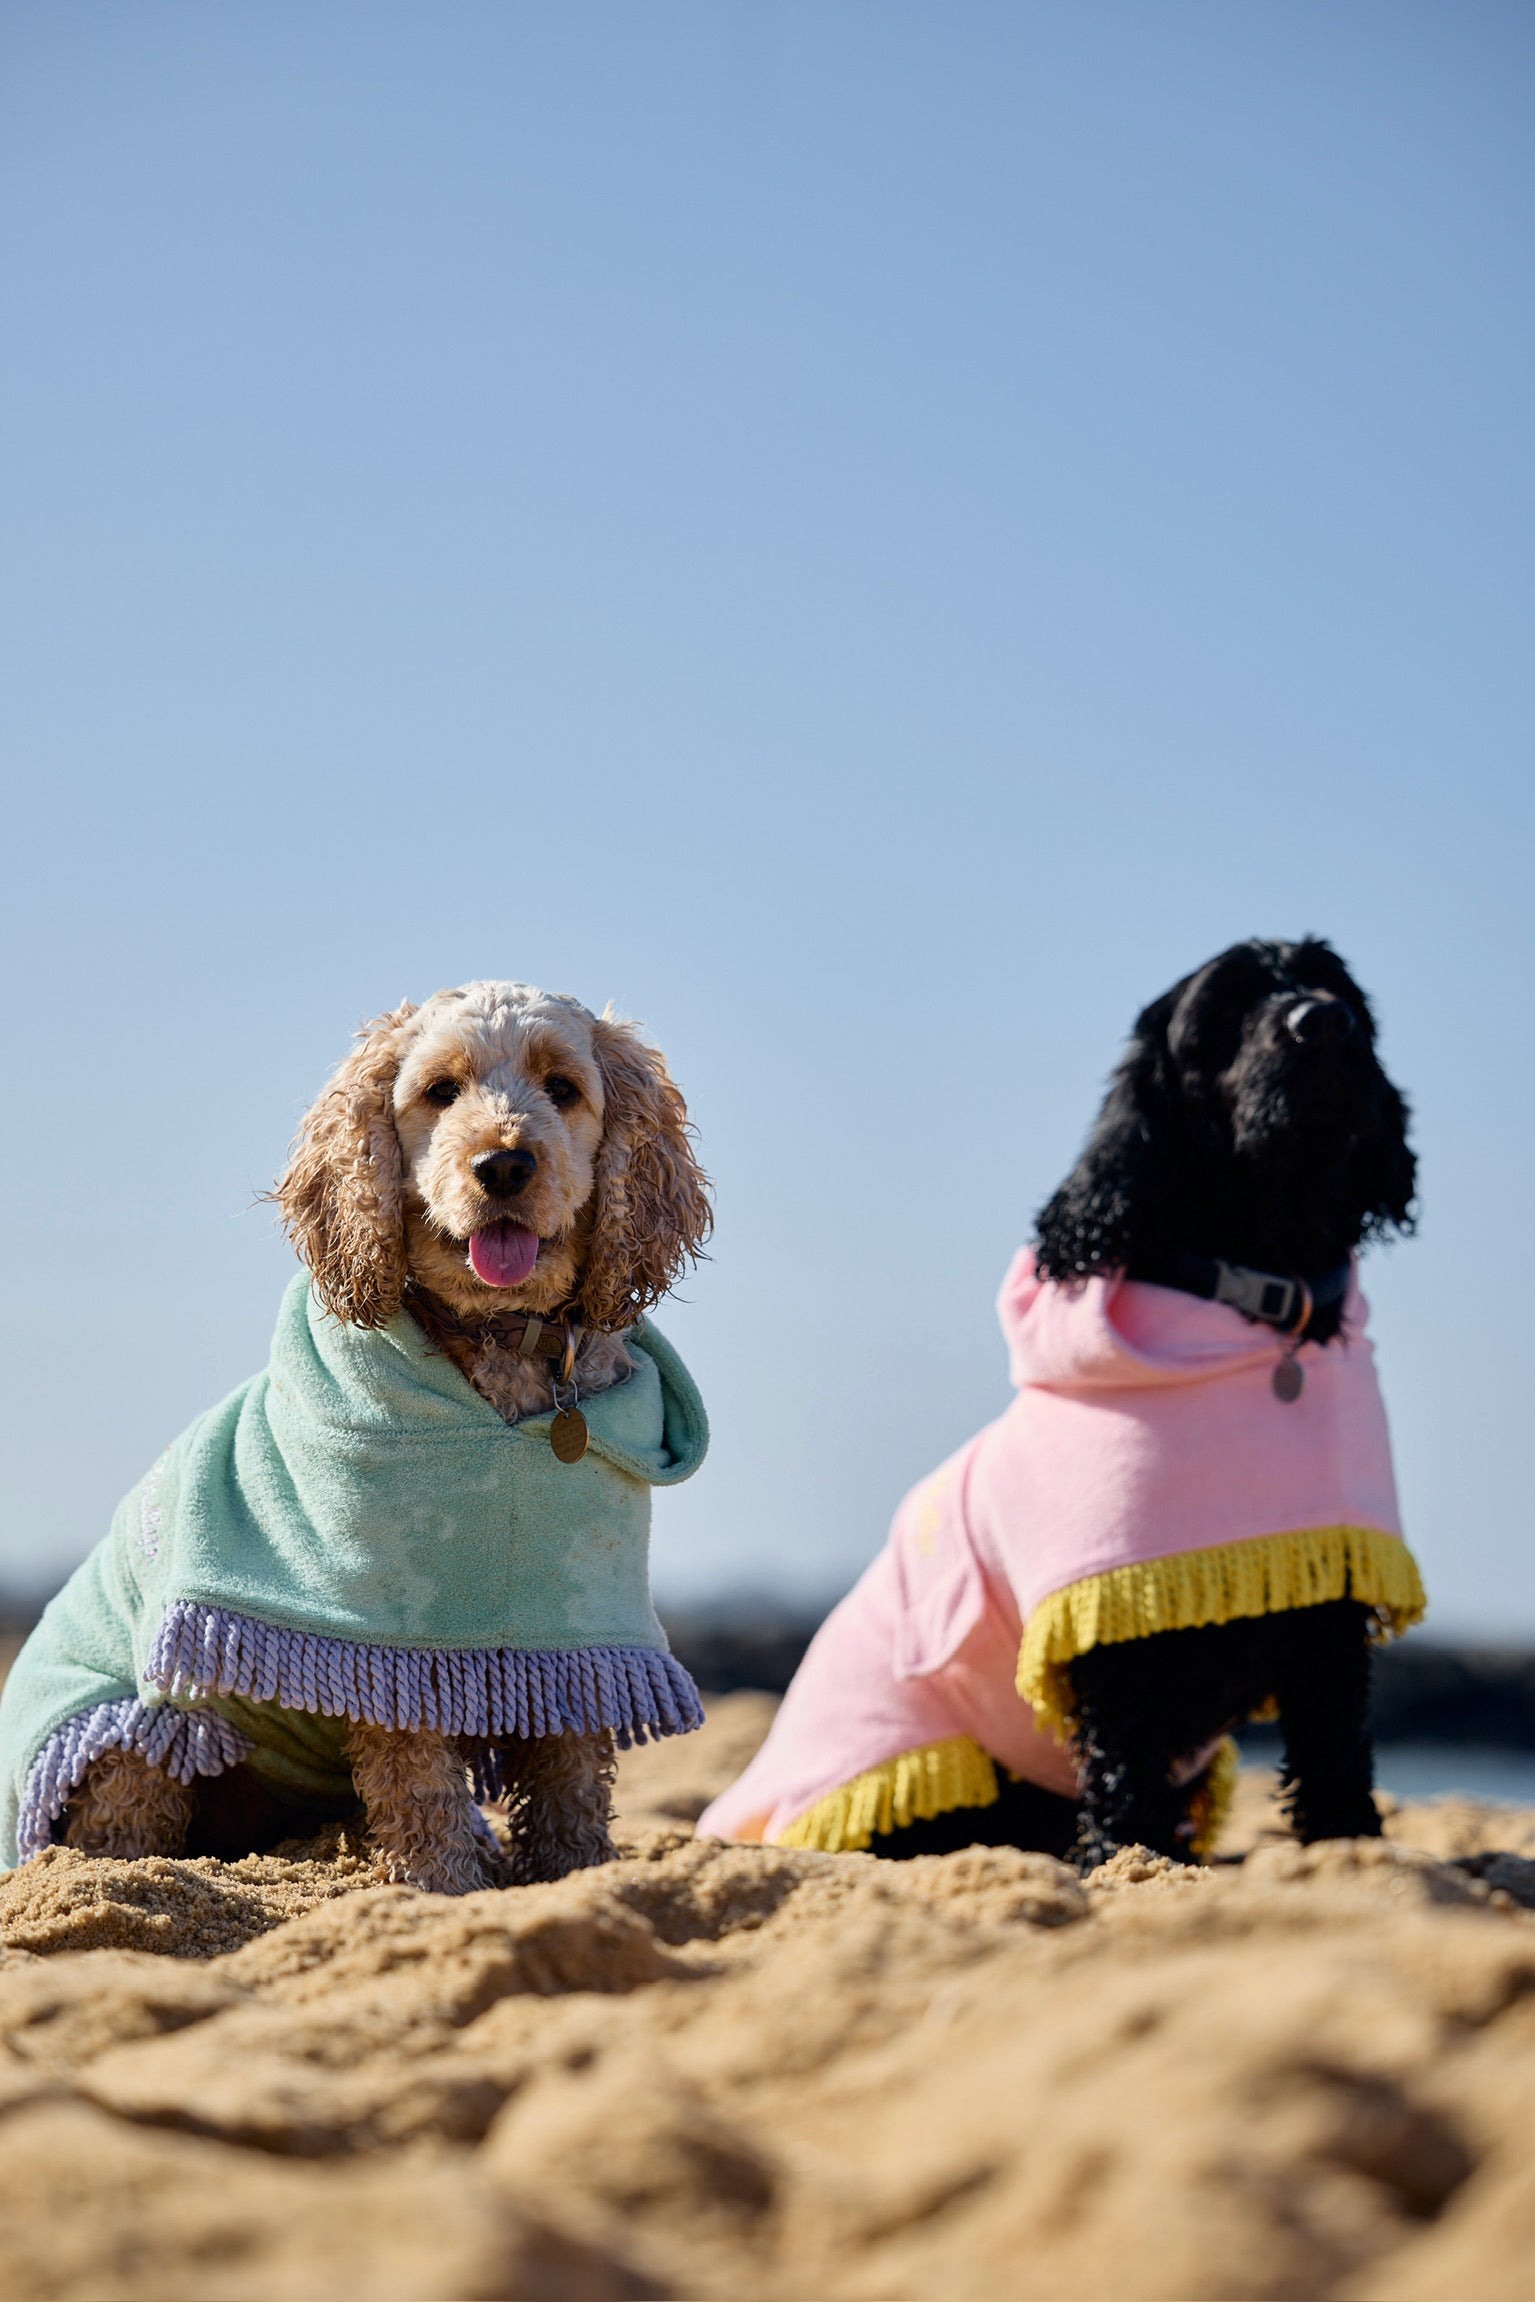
(1249, 1143)
(1250, 1120)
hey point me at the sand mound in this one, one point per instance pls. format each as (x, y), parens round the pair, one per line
(710, 2071)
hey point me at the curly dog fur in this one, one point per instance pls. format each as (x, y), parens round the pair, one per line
(1227, 1132)
(128, 1808)
(384, 1188)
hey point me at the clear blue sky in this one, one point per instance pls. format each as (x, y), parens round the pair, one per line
(874, 536)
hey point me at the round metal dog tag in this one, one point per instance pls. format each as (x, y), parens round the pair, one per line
(568, 1434)
(1289, 1381)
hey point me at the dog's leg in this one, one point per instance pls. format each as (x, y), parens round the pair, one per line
(420, 1813)
(1323, 1674)
(1128, 1795)
(127, 1808)
(561, 1804)
(1134, 1720)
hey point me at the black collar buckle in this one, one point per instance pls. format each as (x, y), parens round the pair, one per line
(1283, 1303)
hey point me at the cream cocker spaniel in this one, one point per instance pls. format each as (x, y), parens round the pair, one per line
(516, 1174)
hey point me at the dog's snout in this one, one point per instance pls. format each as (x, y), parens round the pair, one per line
(504, 1173)
(1320, 1022)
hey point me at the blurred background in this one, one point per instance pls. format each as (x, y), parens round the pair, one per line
(874, 538)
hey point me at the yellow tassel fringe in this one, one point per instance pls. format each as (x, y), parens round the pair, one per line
(1265, 1576)
(943, 1775)
(1211, 1803)
(912, 1788)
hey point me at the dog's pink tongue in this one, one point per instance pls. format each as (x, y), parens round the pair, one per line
(503, 1253)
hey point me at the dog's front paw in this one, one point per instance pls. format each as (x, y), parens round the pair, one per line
(538, 1860)
(440, 1870)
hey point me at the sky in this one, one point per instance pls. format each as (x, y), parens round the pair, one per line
(873, 537)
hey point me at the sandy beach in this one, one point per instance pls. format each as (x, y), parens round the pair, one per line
(736, 2072)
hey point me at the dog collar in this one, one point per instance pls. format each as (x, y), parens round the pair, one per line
(1286, 1304)
(554, 1336)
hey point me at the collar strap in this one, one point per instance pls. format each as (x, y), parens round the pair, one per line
(554, 1336)
(1287, 1304)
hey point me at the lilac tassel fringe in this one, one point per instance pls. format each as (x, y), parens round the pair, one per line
(183, 1744)
(636, 1694)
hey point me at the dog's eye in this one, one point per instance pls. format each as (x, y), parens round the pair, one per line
(560, 1090)
(442, 1092)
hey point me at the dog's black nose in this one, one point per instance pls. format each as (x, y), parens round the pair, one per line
(504, 1173)
(1325, 1022)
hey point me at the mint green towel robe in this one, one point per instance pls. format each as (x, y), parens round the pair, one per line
(356, 1534)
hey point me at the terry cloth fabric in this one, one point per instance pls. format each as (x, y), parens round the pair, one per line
(1144, 1478)
(356, 1534)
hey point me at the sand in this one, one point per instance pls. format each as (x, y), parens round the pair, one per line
(710, 2071)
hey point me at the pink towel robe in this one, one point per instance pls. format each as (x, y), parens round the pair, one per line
(1145, 1425)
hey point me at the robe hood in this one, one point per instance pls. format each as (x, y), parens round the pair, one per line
(1116, 1334)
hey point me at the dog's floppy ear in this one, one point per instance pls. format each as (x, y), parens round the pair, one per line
(1383, 1172)
(1109, 1201)
(652, 1198)
(341, 1191)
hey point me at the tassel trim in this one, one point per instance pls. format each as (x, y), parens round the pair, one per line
(912, 1788)
(1210, 1806)
(1267, 1575)
(182, 1743)
(957, 1772)
(634, 1693)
